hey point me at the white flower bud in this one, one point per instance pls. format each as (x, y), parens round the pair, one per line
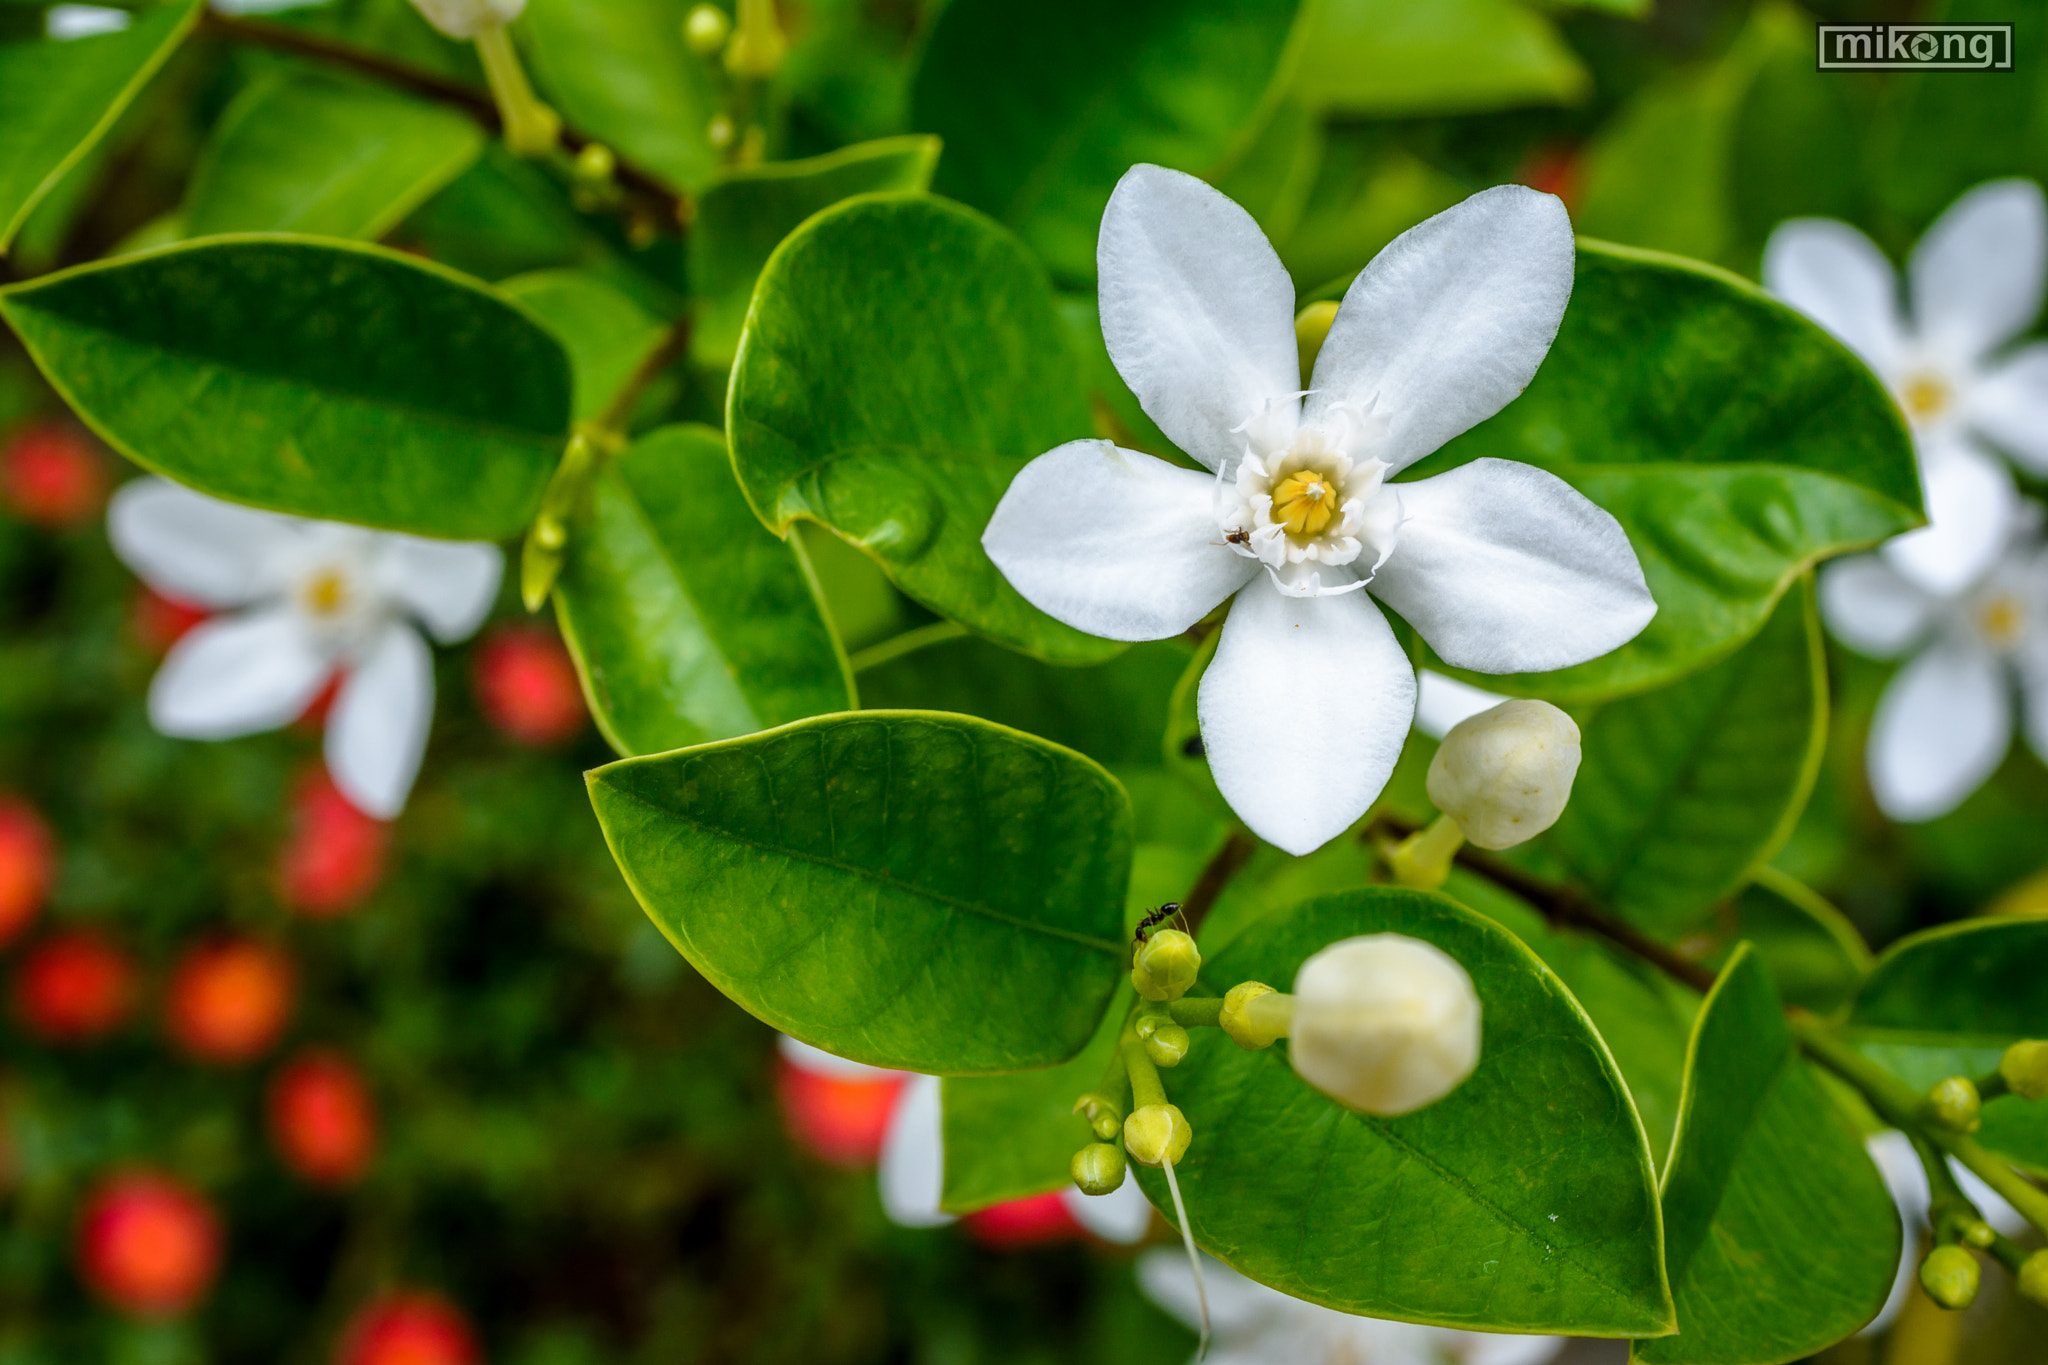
(1384, 1023)
(1505, 774)
(467, 18)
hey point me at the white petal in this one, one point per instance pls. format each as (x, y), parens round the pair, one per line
(2009, 406)
(377, 732)
(1448, 324)
(913, 1170)
(1487, 1348)
(1837, 276)
(1442, 701)
(1971, 503)
(1871, 608)
(1941, 728)
(1978, 274)
(1115, 543)
(448, 584)
(2033, 670)
(238, 676)
(1505, 568)
(1237, 1304)
(1197, 312)
(1122, 1216)
(1997, 1212)
(1906, 1179)
(819, 1062)
(195, 548)
(1304, 711)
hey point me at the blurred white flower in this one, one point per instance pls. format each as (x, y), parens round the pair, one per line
(65, 22)
(1976, 280)
(312, 599)
(1255, 1325)
(1500, 566)
(1945, 720)
(467, 18)
(1906, 1178)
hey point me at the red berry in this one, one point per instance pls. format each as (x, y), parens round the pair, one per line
(28, 862)
(51, 475)
(160, 621)
(74, 986)
(526, 684)
(322, 1119)
(335, 855)
(148, 1245)
(1029, 1222)
(229, 999)
(840, 1119)
(409, 1327)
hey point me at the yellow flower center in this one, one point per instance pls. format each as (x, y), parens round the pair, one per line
(2002, 620)
(325, 593)
(1305, 503)
(1925, 396)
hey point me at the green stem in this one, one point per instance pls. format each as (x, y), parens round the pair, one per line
(618, 413)
(2009, 1253)
(1992, 1087)
(1424, 860)
(2015, 1189)
(909, 642)
(1190, 1012)
(1145, 1086)
(531, 128)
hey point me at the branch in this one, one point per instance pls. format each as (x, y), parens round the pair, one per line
(613, 420)
(1226, 863)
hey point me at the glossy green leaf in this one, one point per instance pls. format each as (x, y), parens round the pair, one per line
(1387, 58)
(1041, 118)
(1730, 476)
(743, 217)
(606, 333)
(902, 361)
(326, 157)
(1779, 1232)
(306, 376)
(620, 72)
(906, 888)
(1948, 1002)
(1522, 1201)
(58, 99)
(1815, 955)
(1683, 791)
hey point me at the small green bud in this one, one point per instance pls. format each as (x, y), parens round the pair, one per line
(1167, 1044)
(1166, 965)
(596, 163)
(1108, 1127)
(1977, 1233)
(1953, 1104)
(1097, 1168)
(758, 46)
(1105, 1118)
(1156, 1132)
(720, 131)
(2025, 1068)
(1950, 1275)
(1252, 1028)
(1311, 329)
(706, 29)
(2033, 1278)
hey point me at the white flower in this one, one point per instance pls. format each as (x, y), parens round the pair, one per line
(1906, 1179)
(1499, 566)
(1384, 1023)
(1945, 720)
(1255, 1325)
(467, 18)
(1976, 281)
(315, 598)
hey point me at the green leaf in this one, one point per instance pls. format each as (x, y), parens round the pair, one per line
(1779, 1233)
(1815, 955)
(908, 889)
(1731, 477)
(1948, 1002)
(620, 72)
(1522, 1201)
(1040, 118)
(326, 157)
(1368, 191)
(312, 377)
(689, 622)
(1682, 792)
(606, 334)
(58, 99)
(742, 219)
(902, 361)
(1389, 58)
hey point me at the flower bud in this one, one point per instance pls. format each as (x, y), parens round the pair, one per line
(467, 18)
(2033, 1278)
(1165, 965)
(1384, 1023)
(1157, 1132)
(706, 29)
(1167, 1044)
(1505, 774)
(1253, 1027)
(758, 44)
(1311, 329)
(2025, 1068)
(1954, 1104)
(1105, 1117)
(1097, 1168)
(1950, 1275)
(1977, 1233)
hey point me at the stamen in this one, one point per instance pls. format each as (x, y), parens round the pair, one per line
(1180, 1211)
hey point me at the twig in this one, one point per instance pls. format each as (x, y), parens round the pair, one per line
(1226, 863)
(909, 642)
(619, 411)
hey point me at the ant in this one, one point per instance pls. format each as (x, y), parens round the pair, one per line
(1237, 535)
(1164, 912)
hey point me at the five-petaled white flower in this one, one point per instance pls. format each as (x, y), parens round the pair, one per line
(1945, 721)
(1976, 280)
(316, 598)
(1255, 1325)
(1500, 566)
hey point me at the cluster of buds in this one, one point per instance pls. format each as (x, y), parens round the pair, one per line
(1950, 1273)
(1500, 778)
(744, 55)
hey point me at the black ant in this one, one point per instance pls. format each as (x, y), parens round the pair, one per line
(1237, 535)
(1164, 912)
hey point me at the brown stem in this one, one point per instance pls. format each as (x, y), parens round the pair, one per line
(1563, 906)
(644, 189)
(619, 411)
(1227, 862)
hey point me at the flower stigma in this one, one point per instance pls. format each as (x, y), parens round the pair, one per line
(2003, 619)
(326, 593)
(1311, 503)
(1925, 396)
